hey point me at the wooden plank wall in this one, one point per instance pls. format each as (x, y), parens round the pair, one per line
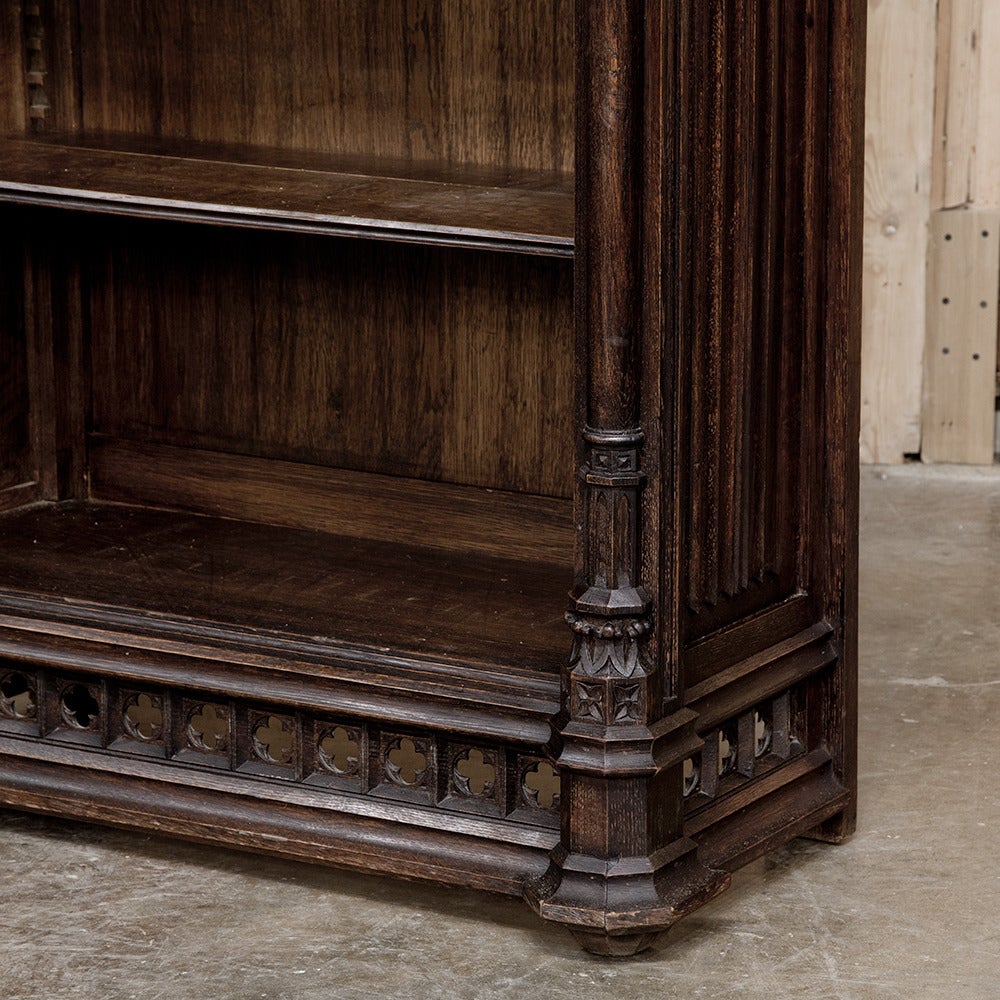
(933, 145)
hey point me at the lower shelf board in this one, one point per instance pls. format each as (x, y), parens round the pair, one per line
(212, 573)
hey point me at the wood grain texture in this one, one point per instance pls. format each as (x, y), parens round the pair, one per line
(898, 150)
(963, 275)
(16, 465)
(343, 467)
(226, 815)
(13, 69)
(267, 491)
(740, 253)
(441, 80)
(288, 581)
(338, 196)
(986, 179)
(265, 348)
(956, 112)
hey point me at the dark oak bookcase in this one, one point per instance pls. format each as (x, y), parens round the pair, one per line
(428, 434)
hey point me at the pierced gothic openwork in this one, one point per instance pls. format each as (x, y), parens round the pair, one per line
(274, 739)
(253, 741)
(339, 751)
(208, 729)
(742, 748)
(78, 707)
(406, 763)
(18, 699)
(474, 774)
(542, 786)
(143, 717)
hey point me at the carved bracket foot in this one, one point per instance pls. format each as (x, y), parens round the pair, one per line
(620, 906)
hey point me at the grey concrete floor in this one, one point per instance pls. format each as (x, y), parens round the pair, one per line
(908, 909)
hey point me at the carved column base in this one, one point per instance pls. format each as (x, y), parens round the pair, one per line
(620, 906)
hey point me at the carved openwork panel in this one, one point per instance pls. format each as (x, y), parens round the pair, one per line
(18, 696)
(538, 788)
(344, 755)
(203, 732)
(474, 779)
(140, 721)
(742, 748)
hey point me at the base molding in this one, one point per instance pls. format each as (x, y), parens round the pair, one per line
(282, 828)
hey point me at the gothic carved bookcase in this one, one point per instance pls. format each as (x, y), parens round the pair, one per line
(428, 434)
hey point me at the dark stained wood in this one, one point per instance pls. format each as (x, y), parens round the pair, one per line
(458, 81)
(511, 525)
(529, 215)
(16, 465)
(288, 581)
(298, 377)
(301, 577)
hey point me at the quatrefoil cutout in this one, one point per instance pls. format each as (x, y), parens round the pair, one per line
(340, 752)
(143, 718)
(474, 775)
(208, 729)
(541, 785)
(79, 708)
(274, 739)
(17, 697)
(405, 764)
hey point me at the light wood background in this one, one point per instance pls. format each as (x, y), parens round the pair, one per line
(933, 148)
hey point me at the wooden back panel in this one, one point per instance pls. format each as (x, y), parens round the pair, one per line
(16, 463)
(445, 365)
(452, 81)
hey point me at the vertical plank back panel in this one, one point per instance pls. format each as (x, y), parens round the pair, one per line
(453, 81)
(380, 358)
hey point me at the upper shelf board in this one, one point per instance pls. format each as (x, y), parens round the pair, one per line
(370, 199)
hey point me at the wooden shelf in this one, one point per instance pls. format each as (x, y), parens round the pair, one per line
(309, 193)
(197, 578)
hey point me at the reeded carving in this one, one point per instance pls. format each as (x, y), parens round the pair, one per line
(34, 38)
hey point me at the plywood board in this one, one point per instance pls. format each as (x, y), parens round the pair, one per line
(962, 280)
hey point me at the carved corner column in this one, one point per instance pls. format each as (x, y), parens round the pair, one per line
(623, 871)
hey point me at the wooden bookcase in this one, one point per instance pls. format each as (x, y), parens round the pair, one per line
(339, 342)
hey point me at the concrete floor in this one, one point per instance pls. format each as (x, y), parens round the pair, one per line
(908, 909)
